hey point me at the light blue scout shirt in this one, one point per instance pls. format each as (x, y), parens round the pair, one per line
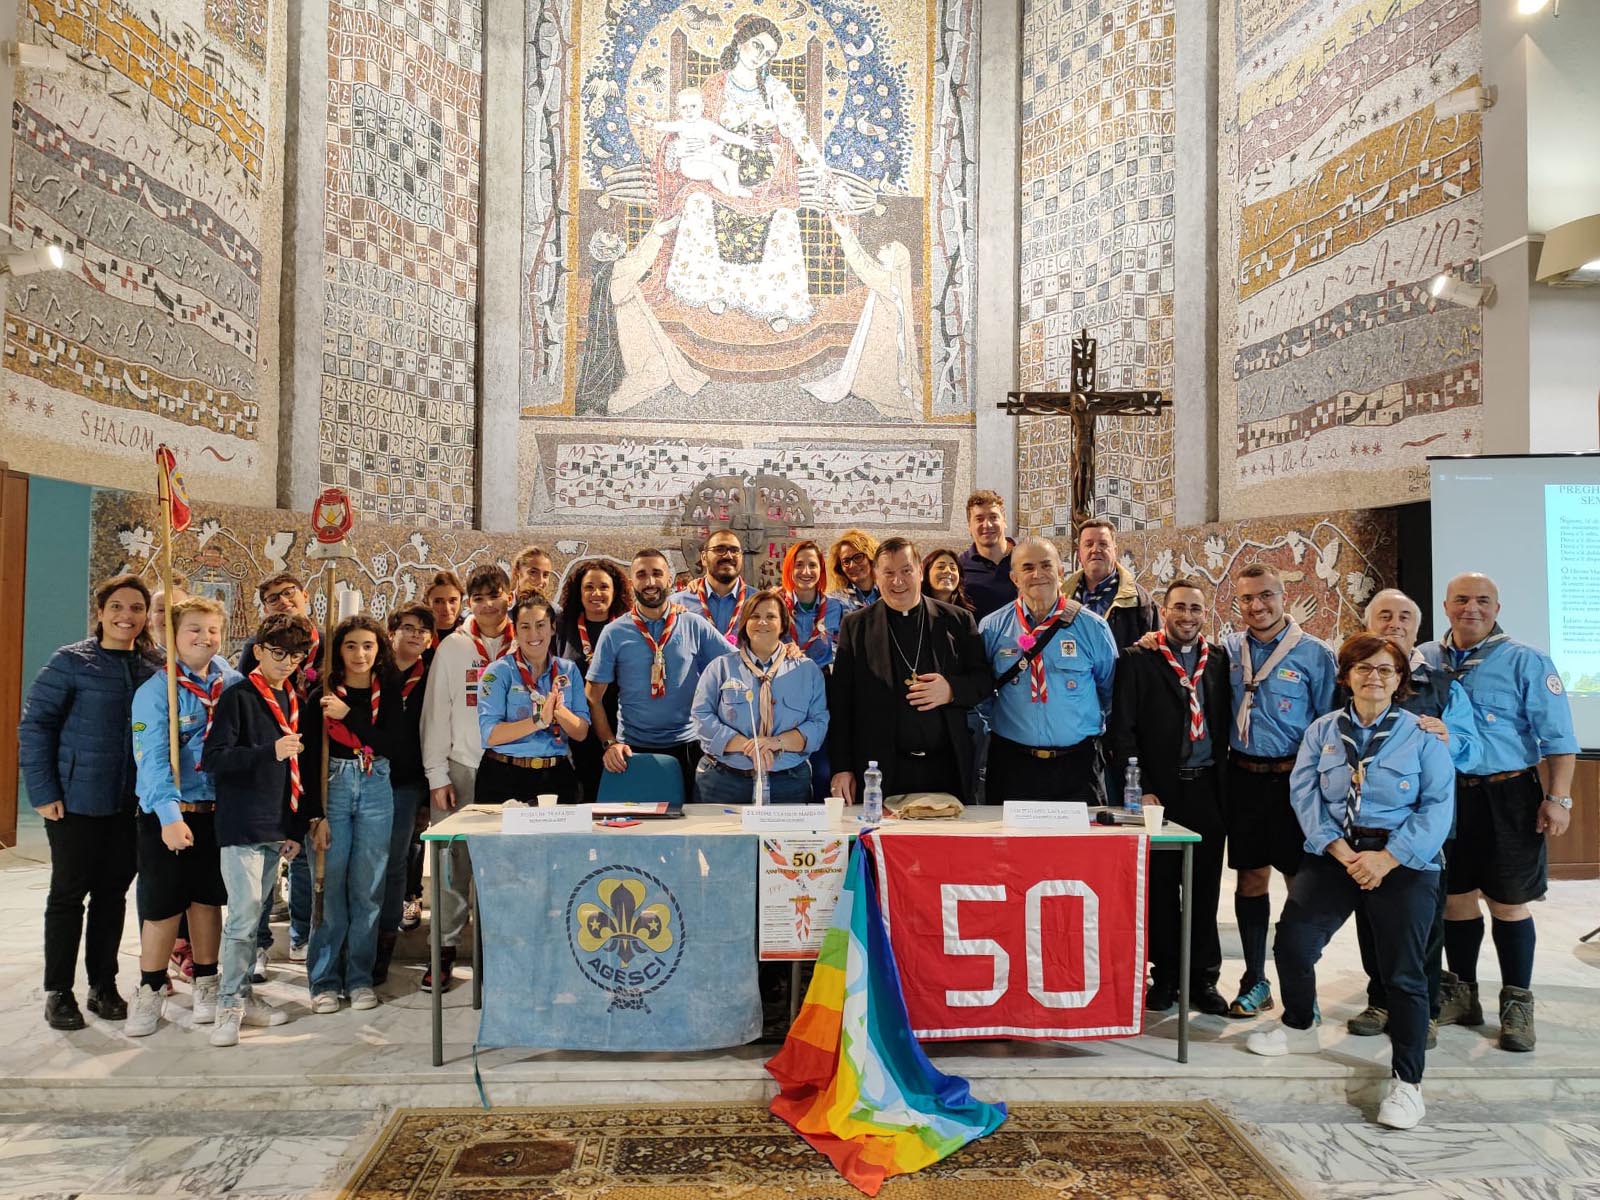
(1079, 664)
(1410, 789)
(799, 701)
(805, 621)
(721, 611)
(151, 751)
(502, 696)
(1299, 690)
(851, 599)
(1465, 744)
(622, 659)
(1521, 706)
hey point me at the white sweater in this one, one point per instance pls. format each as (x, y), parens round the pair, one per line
(449, 710)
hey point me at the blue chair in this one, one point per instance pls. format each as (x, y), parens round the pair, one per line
(649, 779)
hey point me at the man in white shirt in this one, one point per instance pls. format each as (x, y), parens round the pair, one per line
(452, 745)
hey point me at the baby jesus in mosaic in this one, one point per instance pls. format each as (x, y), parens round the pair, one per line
(697, 144)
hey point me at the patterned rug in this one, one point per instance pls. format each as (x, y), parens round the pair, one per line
(1179, 1151)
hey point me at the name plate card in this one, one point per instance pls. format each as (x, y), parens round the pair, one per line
(1067, 816)
(784, 818)
(564, 818)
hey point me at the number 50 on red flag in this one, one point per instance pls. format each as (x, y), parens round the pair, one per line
(1025, 937)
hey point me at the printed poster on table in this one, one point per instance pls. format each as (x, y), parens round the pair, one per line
(1026, 937)
(800, 879)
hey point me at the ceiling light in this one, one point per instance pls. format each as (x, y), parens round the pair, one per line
(37, 58)
(1445, 286)
(1571, 253)
(48, 257)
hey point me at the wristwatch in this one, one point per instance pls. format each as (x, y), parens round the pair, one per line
(1564, 801)
(608, 743)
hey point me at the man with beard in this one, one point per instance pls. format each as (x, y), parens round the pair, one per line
(720, 592)
(904, 674)
(654, 655)
(1172, 712)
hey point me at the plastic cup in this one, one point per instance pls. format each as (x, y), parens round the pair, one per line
(548, 800)
(1153, 815)
(835, 811)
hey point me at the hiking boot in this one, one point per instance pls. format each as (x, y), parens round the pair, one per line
(1369, 1022)
(226, 1030)
(148, 1005)
(1402, 1108)
(1204, 998)
(1516, 1019)
(205, 998)
(1252, 1001)
(61, 1011)
(1458, 1002)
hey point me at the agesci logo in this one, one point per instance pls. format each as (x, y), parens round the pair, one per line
(625, 930)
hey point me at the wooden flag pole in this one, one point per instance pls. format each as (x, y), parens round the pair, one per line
(331, 518)
(164, 490)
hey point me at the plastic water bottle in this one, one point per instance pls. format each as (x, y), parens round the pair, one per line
(872, 795)
(1132, 790)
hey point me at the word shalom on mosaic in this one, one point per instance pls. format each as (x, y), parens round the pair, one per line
(112, 431)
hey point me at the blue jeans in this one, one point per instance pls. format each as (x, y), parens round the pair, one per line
(360, 815)
(299, 901)
(408, 797)
(245, 871)
(713, 785)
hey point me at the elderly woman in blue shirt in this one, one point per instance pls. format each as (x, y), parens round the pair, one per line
(1375, 794)
(759, 708)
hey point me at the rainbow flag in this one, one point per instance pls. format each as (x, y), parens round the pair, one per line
(851, 1079)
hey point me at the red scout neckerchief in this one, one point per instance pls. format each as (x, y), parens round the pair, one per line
(471, 626)
(741, 589)
(286, 727)
(819, 627)
(534, 698)
(207, 695)
(306, 673)
(1197, 716)
(412, 678)
(339, 732)
(658, 661)
(1038, 688)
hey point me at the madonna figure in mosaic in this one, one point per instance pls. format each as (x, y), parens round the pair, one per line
(738, 243)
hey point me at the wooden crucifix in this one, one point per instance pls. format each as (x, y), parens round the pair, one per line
(1082, 404)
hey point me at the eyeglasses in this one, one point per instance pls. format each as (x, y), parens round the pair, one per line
(278, 655)
(413, 630)
(727, 552)
(284, 596)
(1366, 670)
(852, 560)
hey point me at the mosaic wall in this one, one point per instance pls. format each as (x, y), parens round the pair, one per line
(1098, 168)
(1331, 564)
(155, 162)
(398, 406)
(1343, 194)
(745, 221)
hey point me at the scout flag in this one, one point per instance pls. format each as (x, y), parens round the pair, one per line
(852, 1080)
(176, 493)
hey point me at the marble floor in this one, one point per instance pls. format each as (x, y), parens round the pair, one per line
(95, 1114)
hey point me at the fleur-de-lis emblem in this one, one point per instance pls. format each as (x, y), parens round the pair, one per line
(622, 923)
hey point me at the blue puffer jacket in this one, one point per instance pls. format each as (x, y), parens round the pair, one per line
(75, 742)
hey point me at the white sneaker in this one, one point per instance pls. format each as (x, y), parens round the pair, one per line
(226, 1031)
(258, 972)
(258, 1012)
(363, 998)
(145, 1012)
(1279, 1039)
(1402, 1108)
(325, 1002)
(205, 998)
(297, 953)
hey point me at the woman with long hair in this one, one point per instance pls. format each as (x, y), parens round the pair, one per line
(814, 617)
(75, 746)
(850, 560)
(941, 578)
(759, 710)
(596, 593)
(361, 706)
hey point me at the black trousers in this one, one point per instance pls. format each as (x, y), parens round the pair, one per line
(932, 772)
(501, 781)
(91, 858)
(1195, 805)
(1377, 996)
(1014, 774)
(1400, 908)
